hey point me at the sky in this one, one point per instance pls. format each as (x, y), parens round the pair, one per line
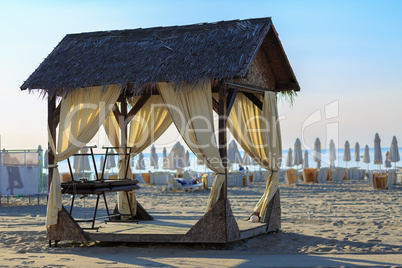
(346, 56)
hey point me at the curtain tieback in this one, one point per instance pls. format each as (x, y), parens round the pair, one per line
(53, 166)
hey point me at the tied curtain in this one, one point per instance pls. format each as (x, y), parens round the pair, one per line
(82, 113)
(190, 107)
(258, 133)
(150, 122)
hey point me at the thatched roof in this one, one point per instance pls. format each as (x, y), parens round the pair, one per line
(191, 53)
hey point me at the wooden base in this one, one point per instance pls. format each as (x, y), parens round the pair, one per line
(213, 227)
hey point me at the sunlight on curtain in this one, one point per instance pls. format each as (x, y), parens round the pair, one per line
(82, 113)
(258, 133)
(191, 110)
(149, 123)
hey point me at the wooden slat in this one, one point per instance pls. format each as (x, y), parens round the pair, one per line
(253, 99)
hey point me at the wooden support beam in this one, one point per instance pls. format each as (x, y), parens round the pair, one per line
(253, 99)
(215, 105)
(116, 112)
(230, 100)
(51, 108)
(140, 103)
(56, 115)
(222, 134)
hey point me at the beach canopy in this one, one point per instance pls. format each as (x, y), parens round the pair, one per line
(234, 156)
(394, 151)
(140, 162)
(317, 152)
(377, 150)
(305, 159)
(163, 75)
(357, 152)
(346, 153)
(332, 154)
(154, 157)
(289, 158)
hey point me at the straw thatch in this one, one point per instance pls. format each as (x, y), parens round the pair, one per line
(191, 53)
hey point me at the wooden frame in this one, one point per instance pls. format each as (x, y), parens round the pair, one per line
(219, 220)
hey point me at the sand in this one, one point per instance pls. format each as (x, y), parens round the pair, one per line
(331, 224)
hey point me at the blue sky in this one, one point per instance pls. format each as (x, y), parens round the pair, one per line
(346, 56)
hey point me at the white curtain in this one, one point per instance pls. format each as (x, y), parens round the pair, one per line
(190, 107)
(82, 113)
(150, 122)
(259, 134)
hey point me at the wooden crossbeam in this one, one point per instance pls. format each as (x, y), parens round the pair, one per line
(253, 99)
(230, 100)
(140, 103)
(215, 105)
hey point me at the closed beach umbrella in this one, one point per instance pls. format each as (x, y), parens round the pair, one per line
(187, 158)
(357, 153)
(289, 158)
(298, 155)
(394, 151)
(81, 162)
(140, 162)
(110, 160)
(234, 156)
(154, 157)
(305, 159)
(377, 150)
(332, 154)
(46, 160)
(346, 153)
(165, 163)
(317, 152)
(366, 156)
(247, 160)
(387, 162)
(101, 161)
(176, 157)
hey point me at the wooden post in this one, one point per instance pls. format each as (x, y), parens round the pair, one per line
(51, 108)
(222, 147)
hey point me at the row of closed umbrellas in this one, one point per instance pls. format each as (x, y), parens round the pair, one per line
(295, 158)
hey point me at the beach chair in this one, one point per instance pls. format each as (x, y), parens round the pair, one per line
(176, 185)
(323, 175)
(291, 176)
(380, 180)
(338, 174)
(310, 175)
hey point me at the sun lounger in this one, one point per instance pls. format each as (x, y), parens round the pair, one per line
(176, 185)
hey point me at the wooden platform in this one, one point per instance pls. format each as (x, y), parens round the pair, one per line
(161, 230)
(218, 225)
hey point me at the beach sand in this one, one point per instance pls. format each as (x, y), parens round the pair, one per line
(331, 224)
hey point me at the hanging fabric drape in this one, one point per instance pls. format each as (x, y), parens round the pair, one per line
(191, 110)
(259, 134)
(149, 123)
(82, 113)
